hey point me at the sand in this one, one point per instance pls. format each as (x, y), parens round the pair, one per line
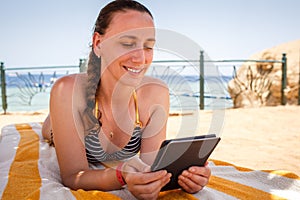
(265, 138)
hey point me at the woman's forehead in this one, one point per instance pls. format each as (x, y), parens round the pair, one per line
(138, 35)
(131, 22)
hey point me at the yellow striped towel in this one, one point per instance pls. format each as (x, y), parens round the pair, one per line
(29, 170)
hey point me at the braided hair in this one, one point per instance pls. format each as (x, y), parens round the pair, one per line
(92, 122)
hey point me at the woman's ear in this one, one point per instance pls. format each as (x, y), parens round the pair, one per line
(96, 44)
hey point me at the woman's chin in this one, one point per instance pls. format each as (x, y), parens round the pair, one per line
(131, 79)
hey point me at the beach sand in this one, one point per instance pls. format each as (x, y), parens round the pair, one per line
(265, 138)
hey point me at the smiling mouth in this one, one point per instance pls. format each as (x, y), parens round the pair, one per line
(132, 70)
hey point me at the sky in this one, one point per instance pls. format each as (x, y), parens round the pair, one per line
(58, 32)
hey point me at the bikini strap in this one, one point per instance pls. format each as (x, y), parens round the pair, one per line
(137, 116)
(96, 111)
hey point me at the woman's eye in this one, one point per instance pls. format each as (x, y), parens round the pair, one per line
(128, 44)
(148, 47)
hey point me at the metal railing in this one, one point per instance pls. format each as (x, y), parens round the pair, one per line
(283, 62)
(28, 82)
(35, 85)
(201, 63)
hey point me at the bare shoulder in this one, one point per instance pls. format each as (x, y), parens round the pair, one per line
(69, 90)
(65, 84)
(155, 85)
(154, 90)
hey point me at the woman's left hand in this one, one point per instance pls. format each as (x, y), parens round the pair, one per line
(194, 179)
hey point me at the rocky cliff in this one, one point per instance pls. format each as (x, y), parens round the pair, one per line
(259, 83)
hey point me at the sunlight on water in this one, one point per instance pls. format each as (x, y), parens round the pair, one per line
(184, 94)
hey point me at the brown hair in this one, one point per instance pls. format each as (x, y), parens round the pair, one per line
(94, 63)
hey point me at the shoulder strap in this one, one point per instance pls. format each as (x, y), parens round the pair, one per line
(96, 111)
(137, 117)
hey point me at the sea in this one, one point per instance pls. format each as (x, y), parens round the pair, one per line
(30, 91)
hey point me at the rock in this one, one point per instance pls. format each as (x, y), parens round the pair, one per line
(259, 84)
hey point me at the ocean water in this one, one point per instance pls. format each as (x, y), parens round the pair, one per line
(31, 91)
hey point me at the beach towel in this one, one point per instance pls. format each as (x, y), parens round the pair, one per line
(29, 170)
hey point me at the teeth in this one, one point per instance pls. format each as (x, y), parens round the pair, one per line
(134, 70)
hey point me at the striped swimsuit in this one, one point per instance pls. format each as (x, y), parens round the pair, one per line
(95, 152)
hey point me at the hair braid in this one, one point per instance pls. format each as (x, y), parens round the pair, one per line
(91, 122)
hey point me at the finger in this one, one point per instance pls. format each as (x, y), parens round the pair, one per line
(184, 186)
(197, 179)
(188, 185)
(202, 171)
(150, 190)
(138, 165)
(199, 175)
(206, 163)
(153, 186)
(146, 178)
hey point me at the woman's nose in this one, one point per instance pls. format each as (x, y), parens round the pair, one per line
(138, 56)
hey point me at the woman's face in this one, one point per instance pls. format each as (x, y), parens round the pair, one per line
(126, 49)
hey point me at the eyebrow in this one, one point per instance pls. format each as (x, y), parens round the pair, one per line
(134, 38)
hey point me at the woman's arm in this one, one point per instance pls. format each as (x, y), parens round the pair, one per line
(68, 139)
(191, 180)
(155, 98)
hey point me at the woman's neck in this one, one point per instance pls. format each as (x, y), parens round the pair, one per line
(114, 93)
(116, 101)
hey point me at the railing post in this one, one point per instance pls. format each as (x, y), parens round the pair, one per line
(283, 79)
(3, 87)
(201, 81)
(82, 67)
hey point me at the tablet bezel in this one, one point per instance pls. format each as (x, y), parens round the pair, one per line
(193, 147)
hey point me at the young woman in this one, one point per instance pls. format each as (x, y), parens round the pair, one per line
(114, 112)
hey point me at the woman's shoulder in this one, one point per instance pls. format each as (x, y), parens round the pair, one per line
(69, 81)
(70, 89)
(154, 84)
(154, 88)
(71, 78)
(72, 84)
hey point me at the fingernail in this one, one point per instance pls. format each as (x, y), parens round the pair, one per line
(164, 172)
(192, 170)
(147, 169)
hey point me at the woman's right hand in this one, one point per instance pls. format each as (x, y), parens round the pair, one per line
(141, 182)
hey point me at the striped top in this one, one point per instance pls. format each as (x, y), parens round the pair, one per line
(95, 152)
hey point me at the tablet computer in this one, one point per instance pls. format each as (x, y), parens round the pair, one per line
(176, 155)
